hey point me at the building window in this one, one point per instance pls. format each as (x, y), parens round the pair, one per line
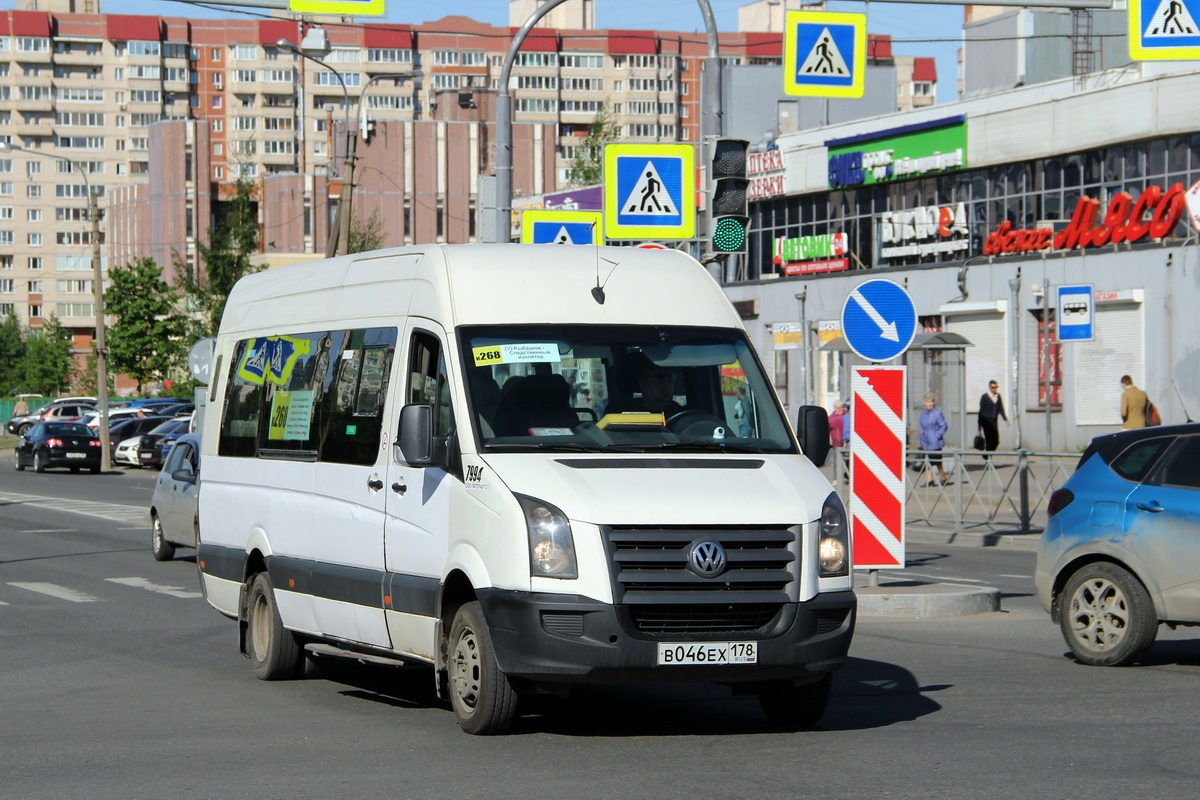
(34, 240)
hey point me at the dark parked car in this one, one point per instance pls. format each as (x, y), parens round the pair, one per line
(152, 447)
(58, 411)
(133, 426)
(59, 444)
(174, 517)
(1118, 557)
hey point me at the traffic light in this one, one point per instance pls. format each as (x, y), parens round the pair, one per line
(728, 199)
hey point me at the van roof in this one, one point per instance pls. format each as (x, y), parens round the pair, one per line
(486, 284)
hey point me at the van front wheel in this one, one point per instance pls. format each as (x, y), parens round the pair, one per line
(274, 651)
(483, 698)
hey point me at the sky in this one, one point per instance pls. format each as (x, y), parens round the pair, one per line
(911, 25)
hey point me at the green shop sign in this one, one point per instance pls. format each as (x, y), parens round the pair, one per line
(899, 153)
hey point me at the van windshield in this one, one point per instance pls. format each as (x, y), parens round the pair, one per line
(620, 388)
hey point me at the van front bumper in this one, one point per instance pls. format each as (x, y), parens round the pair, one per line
(568, 638)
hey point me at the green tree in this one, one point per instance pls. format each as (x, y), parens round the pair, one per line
(366, 234)
(232, 239)
(588, 167)
(147, 339)
(12, 355)
(48, 364)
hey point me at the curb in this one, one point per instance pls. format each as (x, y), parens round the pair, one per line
(926, 601)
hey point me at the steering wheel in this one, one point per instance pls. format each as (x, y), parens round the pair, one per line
(698, 424)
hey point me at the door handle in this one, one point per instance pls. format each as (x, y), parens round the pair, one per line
(399, 488)
(375, 484)
(1151, 506)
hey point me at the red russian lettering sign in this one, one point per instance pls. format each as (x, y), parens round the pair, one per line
(1155, 214)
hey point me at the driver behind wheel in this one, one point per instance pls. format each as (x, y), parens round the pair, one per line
(657, 385)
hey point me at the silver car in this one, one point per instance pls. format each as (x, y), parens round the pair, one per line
(174, 519)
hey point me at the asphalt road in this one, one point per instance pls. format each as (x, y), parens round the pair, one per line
(118, 681)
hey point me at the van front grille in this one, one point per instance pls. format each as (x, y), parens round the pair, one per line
(663, 596)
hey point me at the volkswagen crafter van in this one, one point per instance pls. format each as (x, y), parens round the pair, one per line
(521, 466)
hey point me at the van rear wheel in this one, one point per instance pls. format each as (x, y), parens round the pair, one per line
(483, 698)
(796, 706)
(274, 651)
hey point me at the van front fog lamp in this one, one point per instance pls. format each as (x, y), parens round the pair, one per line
(551, 547)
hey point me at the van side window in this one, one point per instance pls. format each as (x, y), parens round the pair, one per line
(293, 395)
(358, 389)
(428, 381)
(312, 396)
(243, 401)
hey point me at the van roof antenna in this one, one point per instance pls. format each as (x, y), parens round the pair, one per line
(1178, 394)
(598, 289)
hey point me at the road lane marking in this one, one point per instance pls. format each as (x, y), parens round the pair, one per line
(54, 590)
(115, 512)
(52, 530)
(142, 583)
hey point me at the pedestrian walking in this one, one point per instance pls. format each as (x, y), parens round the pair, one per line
(743, 413)
(837, 425)
(1133, 405)
(933, 429)
(991, 411)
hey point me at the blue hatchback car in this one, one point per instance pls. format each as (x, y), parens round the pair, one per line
(1121, 551)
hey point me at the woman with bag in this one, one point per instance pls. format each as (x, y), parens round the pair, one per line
(933, 429)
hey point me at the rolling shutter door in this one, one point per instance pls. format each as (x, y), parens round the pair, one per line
(985, 359)
(1100, 363)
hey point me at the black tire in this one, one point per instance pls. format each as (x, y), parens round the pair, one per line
(162, 549)
(1106, 616)
(274, 651)
(94, 470)
(74, 470)
(20, 466)
(796, 706)
(483, 698)
(24, 429)
(38, 466)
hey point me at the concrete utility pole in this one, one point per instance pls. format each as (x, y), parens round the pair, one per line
(710, 122)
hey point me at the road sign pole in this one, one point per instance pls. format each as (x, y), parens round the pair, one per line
(1047, 343)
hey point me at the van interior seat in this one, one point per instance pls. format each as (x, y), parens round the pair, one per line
(538, 401)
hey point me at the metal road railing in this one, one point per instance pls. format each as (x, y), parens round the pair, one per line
(1001, 490)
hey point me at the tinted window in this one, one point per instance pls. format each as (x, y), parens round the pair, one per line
(1183, 469)
(311, 396)
(1135, 461)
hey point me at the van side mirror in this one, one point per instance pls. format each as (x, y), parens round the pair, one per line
(414, 442)
(812, 427)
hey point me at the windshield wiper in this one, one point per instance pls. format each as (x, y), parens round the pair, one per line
(574, 447)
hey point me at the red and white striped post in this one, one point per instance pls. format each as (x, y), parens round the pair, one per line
(877, 454)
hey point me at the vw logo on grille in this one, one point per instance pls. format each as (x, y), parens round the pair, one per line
(707, 559)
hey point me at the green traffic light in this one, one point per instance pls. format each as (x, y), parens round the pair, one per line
(729, 235)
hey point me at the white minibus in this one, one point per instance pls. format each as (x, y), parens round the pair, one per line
(527, 467)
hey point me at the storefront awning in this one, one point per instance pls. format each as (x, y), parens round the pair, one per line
(944, 340)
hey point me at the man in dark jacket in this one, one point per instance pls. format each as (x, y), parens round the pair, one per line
(991, 409)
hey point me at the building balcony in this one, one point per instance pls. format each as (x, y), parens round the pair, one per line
(40, 127)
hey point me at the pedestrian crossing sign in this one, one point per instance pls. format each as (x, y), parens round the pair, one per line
(542, 226)
(649, 191)
(1164, 30)
(825, 54)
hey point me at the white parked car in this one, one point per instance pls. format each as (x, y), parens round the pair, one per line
(127, 452)
(115, 415)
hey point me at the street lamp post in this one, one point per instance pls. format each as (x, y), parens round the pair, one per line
(352, 152)
(98, 289)
(338, 240)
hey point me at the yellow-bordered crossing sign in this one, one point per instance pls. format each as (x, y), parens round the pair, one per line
(364, 8)
(556, 226)
(1164, 30)
(649, 191)
(824, 54)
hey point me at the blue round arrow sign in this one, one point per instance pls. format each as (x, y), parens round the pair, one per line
(879, 320)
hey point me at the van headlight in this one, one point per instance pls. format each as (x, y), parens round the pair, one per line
(551, 548)
(833, 539)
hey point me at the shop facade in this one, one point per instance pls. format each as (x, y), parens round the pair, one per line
(983, 209)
